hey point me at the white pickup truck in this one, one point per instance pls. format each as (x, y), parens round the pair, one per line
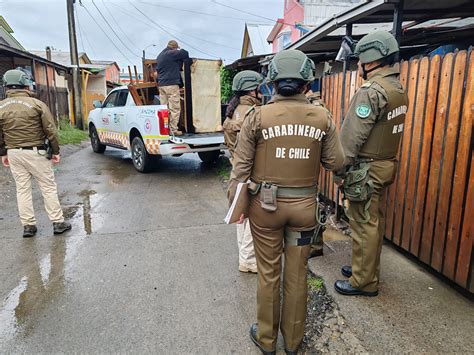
(119, 123)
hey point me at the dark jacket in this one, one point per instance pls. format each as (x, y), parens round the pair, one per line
(169, 63)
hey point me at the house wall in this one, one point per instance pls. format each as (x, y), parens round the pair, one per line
(112, 73)
(293, 13)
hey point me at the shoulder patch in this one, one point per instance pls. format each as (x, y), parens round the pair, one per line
(363, 111)
(367, 84)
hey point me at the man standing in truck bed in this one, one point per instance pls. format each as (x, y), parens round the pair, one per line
(169, 64)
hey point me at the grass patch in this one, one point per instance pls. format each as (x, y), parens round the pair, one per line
(70, 135)
(316, 283)
(223, 169)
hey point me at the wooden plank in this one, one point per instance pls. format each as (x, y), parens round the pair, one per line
(410, 85)
(347, 95)
(449, 153)
(465, 259)
(460, 174)
(392, 193)
(417, 109)
(436, 159)
(427, 136)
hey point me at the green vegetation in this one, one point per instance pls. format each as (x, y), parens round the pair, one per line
(315, 283)
(223, 168)
(226, 84)
(70, 135)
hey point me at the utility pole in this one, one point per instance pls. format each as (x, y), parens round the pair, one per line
(76, 73)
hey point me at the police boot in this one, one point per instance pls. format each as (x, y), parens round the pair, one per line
(346, 271)
(61, 227)
(344, 287)
(29, 231)
(253, 336)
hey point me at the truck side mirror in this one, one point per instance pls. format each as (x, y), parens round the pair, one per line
(97, 104)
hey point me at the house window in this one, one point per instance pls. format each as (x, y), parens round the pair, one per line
(284, 40)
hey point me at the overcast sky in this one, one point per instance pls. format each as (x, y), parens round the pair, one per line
(216, 34)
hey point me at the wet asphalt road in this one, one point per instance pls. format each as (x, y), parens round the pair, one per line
(148, 267)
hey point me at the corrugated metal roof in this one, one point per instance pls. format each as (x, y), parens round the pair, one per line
(258, 34)
(318, 11)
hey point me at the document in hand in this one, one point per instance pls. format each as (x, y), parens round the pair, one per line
(240, 204)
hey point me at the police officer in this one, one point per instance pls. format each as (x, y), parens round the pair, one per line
(280, 148)
(25, 123)
(246, 96)
(370, 135)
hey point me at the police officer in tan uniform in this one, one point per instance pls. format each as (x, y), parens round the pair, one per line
(280, 148)
(25, 123)
(370, 135)
(246, 95)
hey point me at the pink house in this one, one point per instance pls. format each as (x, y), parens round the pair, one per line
(301, 16)
(285, 30)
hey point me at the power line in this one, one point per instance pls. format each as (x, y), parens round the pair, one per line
(105, 33)
(196, 12)
(113, 31)
(176, 30)
(251, 14)
(169, 33)
(81, 33)
(118, 25)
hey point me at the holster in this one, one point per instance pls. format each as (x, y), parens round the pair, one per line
(268, 197)
(49, 149)
(358, 187)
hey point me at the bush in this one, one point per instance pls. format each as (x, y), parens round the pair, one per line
(226, 84)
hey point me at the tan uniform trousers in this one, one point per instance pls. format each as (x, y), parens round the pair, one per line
(268, 230)
(367, 238)
(25, 164)
(245, 243)
(169, 95)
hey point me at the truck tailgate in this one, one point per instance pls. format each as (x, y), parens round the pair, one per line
(200, 139)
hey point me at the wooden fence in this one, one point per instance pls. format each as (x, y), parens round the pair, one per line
(430, 207)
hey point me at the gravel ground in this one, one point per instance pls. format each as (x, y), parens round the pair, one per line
(326, 329)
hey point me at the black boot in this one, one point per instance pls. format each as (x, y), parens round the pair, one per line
(61, 227)
(253, 336)
(346, 271)
(29, 231)
(344, 287)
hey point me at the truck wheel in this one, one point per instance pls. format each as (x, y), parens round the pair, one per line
(97, 147)
(140, 157)
(209, 157)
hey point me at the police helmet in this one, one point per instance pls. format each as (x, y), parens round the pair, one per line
(246, 80)
(291, 64)
(16, 77)
(376, 46)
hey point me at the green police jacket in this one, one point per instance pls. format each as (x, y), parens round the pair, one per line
(25, 122)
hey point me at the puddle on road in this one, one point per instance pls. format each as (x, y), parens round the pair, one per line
(47, 277)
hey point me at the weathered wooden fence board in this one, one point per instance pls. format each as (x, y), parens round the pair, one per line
(429, 206)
